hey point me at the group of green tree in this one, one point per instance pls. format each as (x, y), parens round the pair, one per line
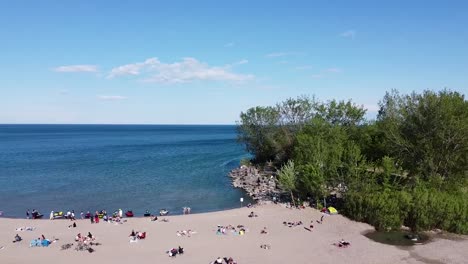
(408, 166)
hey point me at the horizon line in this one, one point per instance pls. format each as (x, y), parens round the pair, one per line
(121, 124)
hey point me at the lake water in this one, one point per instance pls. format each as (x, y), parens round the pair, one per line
(137, 167)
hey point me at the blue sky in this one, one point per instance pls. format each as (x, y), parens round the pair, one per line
(203, 62)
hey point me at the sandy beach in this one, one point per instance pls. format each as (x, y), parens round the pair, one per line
(288, 244)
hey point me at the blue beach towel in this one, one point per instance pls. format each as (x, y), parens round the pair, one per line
(35, 243)
(45, 243)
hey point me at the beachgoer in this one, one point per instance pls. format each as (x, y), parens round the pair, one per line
(82, 215)
(27, 214)
(173, 252)
(133, 233)
(321, 219)
(92, 219)
(17, 238)
(90, 235)
(181, 250)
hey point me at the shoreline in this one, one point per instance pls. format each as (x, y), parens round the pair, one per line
(245, 183)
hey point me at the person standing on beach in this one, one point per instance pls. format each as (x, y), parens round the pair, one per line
(82, 215)
(92, 219)
(27, 214)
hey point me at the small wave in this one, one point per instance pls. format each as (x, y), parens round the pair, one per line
(231, 163)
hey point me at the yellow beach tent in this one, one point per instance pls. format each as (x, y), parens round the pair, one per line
(332, 210)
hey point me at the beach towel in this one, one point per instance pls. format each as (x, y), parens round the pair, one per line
(35, 243)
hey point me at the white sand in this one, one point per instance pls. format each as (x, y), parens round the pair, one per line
(288, 245)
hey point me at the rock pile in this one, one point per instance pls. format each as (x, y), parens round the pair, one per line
(259, 184)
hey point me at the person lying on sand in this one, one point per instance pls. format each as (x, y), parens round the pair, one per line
(174, 251)
(217, 261)
(342, 244)
(292, 224)
(252, 214)
(265, 246)
(17, 238)
(185, 233)
(73, 225)
(154, 219)
(141, 235)
(264, 231)
(229, 260)
(27, 228)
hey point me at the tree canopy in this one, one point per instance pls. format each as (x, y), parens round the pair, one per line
(407, 167)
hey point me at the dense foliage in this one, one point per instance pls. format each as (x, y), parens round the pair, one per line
(407, 167)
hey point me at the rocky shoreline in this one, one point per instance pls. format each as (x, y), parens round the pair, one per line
(260, 184)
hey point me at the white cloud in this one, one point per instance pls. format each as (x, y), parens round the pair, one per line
(349, 34)
(132, 69)
(277, 54)
(77, 68)
(111, 97)
(282, 54)
(243, 61)
(333, 70)
(229, 45)
(187, 70)
(326, 73)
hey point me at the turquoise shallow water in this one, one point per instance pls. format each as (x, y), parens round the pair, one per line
(137, 167)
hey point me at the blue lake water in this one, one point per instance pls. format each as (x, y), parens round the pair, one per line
(137, 167)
